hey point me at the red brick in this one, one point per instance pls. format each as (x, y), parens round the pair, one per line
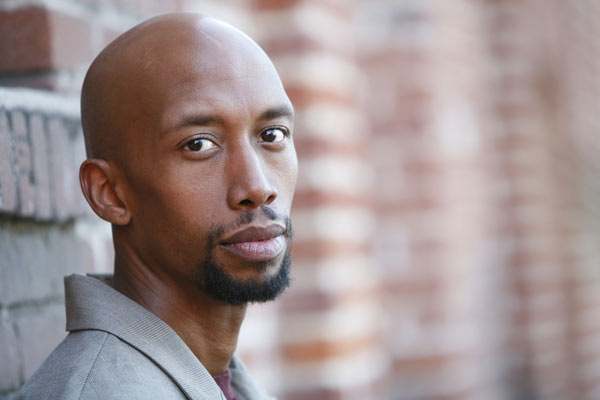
(37, 38)
(317, 300)
(340, 9)
(316, 250)
(314, 198)
(315, 351)
(406, 60)
(413, 287)
(8, 190)
(425, 363)
(25, 39)
(275, 4)
(459, 394)
(303, 96)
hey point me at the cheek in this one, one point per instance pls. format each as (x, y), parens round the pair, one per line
(286, 172)
(174, 220)
(192, 194)
(177, 197)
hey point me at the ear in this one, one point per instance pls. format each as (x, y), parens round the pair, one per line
(98, 185)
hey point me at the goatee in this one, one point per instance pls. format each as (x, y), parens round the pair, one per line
(216, 281)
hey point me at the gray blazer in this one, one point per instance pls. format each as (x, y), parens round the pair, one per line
(116, 349)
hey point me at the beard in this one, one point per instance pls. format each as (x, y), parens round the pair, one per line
(220, 285)
(214, 280)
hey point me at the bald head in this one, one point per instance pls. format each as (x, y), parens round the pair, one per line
(189, 134)
(138, 73)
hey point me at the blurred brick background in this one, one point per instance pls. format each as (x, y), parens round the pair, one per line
(447, 214)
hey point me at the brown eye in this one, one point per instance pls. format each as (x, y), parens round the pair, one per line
(199, 144)
(273, 135)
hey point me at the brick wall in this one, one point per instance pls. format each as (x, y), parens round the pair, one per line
(481, 116)
(45, 231)
(446, 211)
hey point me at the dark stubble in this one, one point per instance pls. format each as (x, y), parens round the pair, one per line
(214, 279)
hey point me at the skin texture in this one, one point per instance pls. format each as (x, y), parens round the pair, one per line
(189, 136)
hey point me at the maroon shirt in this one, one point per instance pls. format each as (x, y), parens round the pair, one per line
(224, 382)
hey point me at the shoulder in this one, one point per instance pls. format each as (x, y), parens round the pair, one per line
(93, 364)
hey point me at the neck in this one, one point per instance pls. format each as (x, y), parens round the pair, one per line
(207, 326)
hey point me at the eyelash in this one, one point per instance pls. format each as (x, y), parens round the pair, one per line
(186, 144)
(283, 130)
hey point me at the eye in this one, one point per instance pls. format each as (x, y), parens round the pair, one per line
(200, 144)
(273, 135)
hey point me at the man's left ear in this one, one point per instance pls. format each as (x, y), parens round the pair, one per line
(98, 183)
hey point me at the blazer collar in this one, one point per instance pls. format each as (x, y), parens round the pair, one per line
(92, 303)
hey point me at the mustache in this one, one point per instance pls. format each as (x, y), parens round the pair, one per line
(246, 218)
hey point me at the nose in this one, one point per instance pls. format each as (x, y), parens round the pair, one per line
(249, 187)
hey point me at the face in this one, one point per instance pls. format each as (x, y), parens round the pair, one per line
(210, 171)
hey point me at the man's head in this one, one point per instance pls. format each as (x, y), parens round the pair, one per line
(189, 136)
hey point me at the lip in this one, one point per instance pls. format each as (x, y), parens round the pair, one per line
(256, 243)
(254, 234)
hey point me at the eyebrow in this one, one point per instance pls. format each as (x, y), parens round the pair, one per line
(283, 111)
(197, 119)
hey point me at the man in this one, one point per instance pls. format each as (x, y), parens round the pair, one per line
(188, 132)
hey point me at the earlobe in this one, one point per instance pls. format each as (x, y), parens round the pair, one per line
(97, 183)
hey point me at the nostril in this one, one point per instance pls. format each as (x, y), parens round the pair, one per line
(270, 199)
(246, 202)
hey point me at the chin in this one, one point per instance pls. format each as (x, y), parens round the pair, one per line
(273, 278)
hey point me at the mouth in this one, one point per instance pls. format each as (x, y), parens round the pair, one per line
(256, 243)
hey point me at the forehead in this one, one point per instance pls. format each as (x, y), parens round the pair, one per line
(245, 91)
(214, 78)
